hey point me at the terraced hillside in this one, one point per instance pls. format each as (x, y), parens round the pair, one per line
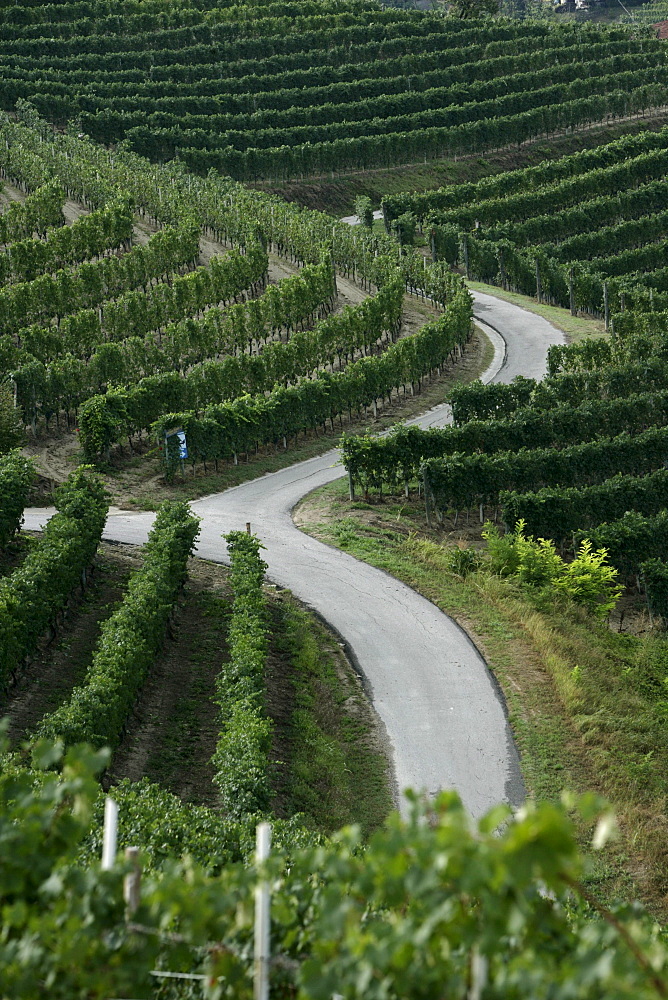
(588, 231)
(291, 89)
(167, 333)
(587, 444)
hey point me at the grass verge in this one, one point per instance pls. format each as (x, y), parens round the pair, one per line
(588, 706)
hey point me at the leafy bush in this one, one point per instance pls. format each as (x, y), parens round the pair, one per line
(587, 580)
(464, 560)
(431, 900)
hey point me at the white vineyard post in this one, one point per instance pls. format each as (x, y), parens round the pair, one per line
(110, 834)
(262, 918)
(479, 967)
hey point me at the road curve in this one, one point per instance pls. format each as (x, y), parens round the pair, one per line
(443, 712)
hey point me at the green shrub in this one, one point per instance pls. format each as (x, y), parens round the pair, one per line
(588, 579)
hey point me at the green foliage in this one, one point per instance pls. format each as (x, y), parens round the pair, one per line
(97, 710)
(654, 574)
(404, 228)
(106, 229)
(364, 210)
(11, 431)
(168, 828)
(398, 457)
(473, 8)
(70, 289)
(558, 512)
(16, 477)
(587, 580)
(241, 757)
(461, 480)
(34, 595)
(240, 425)
(631, 540)
(432, 900)
(63, 924)
(234, 330)
(463, 560)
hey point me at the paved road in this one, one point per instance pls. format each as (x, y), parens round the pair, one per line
(444, 717)
(354, 220)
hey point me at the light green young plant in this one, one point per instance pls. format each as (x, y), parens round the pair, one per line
(588, 581)
(539, 562)
(501, 550)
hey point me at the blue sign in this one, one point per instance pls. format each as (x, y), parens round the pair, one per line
(181, 438)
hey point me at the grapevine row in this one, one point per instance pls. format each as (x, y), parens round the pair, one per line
(460, 482)
(476, 401)
(397, 458)
(106, 419)
(140, 311)
(558, 513)
(56, 295)
(16, 478)
(62, 385)
(41, 209)
(34, 595)
(432, 104)
(109, 228)
(97, 710)
(241, 755)
(227, 430)
(518, 182)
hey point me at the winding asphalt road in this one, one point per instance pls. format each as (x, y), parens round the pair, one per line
(443, 713)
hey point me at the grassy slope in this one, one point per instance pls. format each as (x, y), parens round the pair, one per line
(585, 702)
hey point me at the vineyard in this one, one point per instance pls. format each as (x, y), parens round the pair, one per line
(159, 314)
(143, 338)
(603, 210)
(162, 306)
(299, 89)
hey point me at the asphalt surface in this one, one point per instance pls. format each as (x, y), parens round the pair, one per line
(443, 714)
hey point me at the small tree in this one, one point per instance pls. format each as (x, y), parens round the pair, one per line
(364, 210)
